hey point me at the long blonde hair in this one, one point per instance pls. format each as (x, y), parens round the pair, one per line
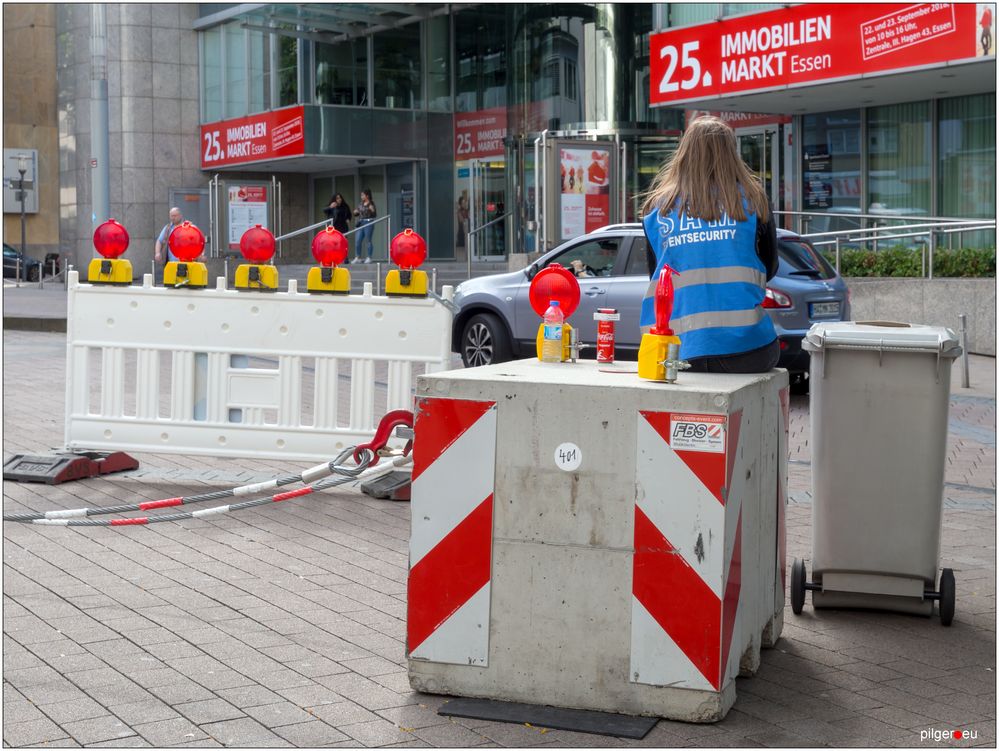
(704, 176)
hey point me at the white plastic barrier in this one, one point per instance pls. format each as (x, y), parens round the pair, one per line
(221, 372)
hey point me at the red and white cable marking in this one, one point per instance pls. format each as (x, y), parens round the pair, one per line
(308, 476)
(323, 484)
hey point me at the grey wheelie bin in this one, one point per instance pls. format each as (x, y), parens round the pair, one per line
(879, 400)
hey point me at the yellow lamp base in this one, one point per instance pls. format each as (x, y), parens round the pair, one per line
(566, 339)
(396, 284)
(256, 276)
(651, 353)
(109, 271)
(185, 274)
(329, 280)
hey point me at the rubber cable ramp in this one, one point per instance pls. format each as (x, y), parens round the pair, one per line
(556, 718)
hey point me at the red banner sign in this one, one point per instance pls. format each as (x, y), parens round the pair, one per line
(478, 135)
(253, 139)
(807, 43)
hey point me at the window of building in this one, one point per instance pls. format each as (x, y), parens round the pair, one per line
(550, 75)
(287, 70)
(397, 74)
(235, 70)
(439, 64)
(258, 48)
(831, 165)
(342, 72)
(967, 156)
(571, 82)
(481, 59)
(211, 75)
(899, 148)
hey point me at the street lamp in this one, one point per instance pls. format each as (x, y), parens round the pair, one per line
(22, 167)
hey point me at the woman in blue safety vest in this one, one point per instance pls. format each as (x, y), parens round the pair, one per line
(708, 218)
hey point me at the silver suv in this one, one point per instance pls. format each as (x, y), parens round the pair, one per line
(496, 323)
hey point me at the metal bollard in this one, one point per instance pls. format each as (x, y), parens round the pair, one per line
(65, 275)
(17, 273)
(965, 374)
(433, 278)
(378, 278)
(837, 256)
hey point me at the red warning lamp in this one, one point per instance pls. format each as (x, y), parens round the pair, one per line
(257, 245)
(555, 282)
(329, 247)
(407, 249)
(111, 239)
(664, 303)
(186, 242)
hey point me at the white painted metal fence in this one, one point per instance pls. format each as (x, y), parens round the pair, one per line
(221, 372)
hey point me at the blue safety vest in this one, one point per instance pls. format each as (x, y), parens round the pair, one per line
(719, 287)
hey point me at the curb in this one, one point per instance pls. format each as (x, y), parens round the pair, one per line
(19, 323)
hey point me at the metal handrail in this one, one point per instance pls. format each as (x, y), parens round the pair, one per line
(468, 238)
(326, 222)
(851, 234)
(889, 217)
(875, 234)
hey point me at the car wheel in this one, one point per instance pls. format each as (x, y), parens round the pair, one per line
(33, 273)
(484, 341)
(799, 385)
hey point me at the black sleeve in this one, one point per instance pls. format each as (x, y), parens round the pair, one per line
(766, 243)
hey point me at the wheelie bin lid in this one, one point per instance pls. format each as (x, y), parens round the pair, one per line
(882, 336)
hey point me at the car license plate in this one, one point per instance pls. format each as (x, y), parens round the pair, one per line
(824, 309)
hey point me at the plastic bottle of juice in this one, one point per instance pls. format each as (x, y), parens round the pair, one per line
(551, 345)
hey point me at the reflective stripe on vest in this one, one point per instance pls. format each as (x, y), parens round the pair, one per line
(716, 319)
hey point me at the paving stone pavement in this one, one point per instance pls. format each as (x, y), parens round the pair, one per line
(283, 625)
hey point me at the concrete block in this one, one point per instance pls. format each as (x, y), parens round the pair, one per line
(166, 117)
(166, 151)
(136, 14)
(166, 38)
(136, 149)
(563, 606)
(135, 43)
(137, 115)
(165, 16)
(137, 79)
(166, 80)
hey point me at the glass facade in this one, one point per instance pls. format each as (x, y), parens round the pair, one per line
(450, 105)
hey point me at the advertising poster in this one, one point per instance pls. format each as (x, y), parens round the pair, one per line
(585, 190)
(247, 208)
(818, 180)
(812, 42)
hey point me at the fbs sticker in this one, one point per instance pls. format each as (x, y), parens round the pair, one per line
(697, 433)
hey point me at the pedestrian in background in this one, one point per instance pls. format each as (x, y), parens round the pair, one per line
(365, 214)
(709, 219)
(339, 211)
(161, 242)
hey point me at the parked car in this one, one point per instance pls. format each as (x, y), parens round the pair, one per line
(30, 268)
(495, 321)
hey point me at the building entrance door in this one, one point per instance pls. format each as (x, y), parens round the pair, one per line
(487, 208)
(759, 149)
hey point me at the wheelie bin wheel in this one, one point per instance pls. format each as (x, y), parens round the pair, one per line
(947, 595)
(798, 576)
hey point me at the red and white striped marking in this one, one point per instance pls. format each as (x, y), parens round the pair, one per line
(687, 574)
(450, 554)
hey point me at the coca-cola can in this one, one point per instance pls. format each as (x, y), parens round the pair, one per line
(605, 318)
